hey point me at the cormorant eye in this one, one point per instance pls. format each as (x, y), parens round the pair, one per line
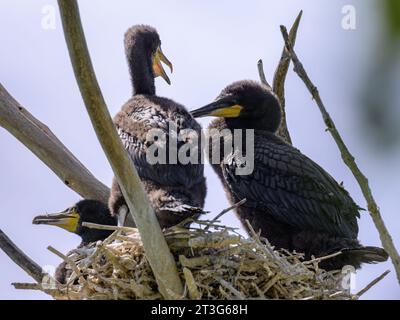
(231, 98)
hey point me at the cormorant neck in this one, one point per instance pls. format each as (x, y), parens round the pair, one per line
(95, 212)
(140, 68)
(93, 235)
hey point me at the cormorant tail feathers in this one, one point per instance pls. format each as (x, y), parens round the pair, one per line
(367, 254)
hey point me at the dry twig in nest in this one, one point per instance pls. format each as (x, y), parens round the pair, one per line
(217, 264)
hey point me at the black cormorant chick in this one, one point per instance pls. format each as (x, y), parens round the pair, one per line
(176, 191)
(71, 220)
(295, 203)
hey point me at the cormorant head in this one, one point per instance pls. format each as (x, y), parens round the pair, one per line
(72, 218)
(144, 54)
(245, 105)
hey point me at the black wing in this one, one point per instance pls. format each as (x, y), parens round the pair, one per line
(294, 189)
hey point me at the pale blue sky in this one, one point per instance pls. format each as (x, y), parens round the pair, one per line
(211, 44)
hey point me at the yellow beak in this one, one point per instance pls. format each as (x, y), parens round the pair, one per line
(225, 108)
(157, 66)
(67, 219)
(227, 112)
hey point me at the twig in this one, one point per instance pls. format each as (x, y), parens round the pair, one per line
(371, 284)
(284, 62)
(38, 138)
(319, 259)
(194, 293)
(106, 227)
(280, 77)
(156, 248)
(219, 215)
(347, 157)
(261, 73)
(237, 294)
(26, 286)
(68, 261)
(55, 293)
(20, 258)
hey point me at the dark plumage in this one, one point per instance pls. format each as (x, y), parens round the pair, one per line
(176, 191)
(295, 203)
(71, 220)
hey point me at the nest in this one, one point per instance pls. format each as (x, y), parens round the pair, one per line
(214, 262)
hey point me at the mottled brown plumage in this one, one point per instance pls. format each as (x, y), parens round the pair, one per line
(176, 191)
(295, 203)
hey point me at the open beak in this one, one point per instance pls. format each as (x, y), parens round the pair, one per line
(67, 219)
(157, 66)
(225, 107)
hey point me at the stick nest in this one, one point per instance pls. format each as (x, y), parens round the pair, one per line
(214, 262)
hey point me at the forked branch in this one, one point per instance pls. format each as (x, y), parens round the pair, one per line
(347, 157)
(278, 85)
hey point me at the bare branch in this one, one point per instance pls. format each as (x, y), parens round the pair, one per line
(26, 286)
(347, 157)
(106, 227)
(45, 145)
(20, 258)
(261, 73)
(371, 284)
(156, 248)
(280, 77)
(319, 259)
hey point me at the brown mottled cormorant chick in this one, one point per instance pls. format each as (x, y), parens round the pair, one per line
(71, 220)
(176, 190)
(295, 203)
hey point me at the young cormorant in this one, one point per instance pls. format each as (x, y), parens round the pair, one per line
(71, 220)
(176, 191)
(295, 203)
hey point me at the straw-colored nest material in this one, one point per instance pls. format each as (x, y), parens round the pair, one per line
(217, 264)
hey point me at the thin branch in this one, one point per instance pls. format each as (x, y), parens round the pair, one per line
(261, 73)
(237, 294)
(47, 147)
(280, 77)
(219, 215)
(106, 227)
(284, 62)
(20, 258)
(155, 246)
(26, 286)
(347, 157)
(68, 261)
(371, 284)
(330, 256)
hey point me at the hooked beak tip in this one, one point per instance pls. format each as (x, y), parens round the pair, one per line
(66, 220)
(38, 219)
(196, 114)
(169, 65)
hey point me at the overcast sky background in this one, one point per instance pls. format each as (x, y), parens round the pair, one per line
(211, 44)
